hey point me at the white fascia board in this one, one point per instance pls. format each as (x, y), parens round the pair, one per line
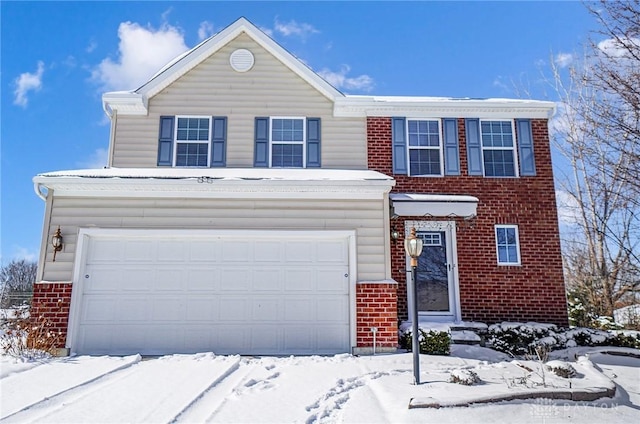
(434, 205)
(125, 102)
(205, 49)
(416, 107)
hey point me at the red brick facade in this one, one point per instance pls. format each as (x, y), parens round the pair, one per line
(490, 293)
(376, 306)
(51, 301)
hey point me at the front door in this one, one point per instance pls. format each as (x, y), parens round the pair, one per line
(437, 297)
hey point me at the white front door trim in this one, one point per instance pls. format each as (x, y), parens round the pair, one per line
(449, 227)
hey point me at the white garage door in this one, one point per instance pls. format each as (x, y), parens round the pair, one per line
(262, 293)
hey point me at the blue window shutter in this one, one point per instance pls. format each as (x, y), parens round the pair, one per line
(525, 148)
(313, 142)
(218, 142)
(165, 141)
(261, 149)
(451, 149)
(399, 145)
(474, 148)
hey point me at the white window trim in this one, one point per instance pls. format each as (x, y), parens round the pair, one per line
(495, 235)
(175, 140)
(514, 148)
(440, 147)
(303, 142)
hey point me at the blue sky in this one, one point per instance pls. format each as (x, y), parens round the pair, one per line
(57, 58)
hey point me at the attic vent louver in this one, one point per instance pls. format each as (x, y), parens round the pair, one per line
(241, 60)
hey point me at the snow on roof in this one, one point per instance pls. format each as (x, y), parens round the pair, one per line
(237, 174)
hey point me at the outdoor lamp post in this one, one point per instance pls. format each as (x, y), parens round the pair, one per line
(413, 247)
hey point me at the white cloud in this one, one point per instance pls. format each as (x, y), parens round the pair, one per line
(91, 47)
(205, 30)
(141, 53)
(563, 60)
(97, 160)
(340, 79)
(19, 252)
(293, 28)
(568, 208)
(27, 82)
(616, 47)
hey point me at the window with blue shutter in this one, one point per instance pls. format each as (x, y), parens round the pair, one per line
(261, 145)
(474, 149)
(287, 142)
(194, 141)
(313, 142)
(525, 148)
(399, 146)
(165, 141)
(218, 142)
(451, 149)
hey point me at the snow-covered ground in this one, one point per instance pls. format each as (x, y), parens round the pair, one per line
(343, 388)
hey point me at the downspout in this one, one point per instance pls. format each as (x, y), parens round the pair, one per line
(113, 117)
(36, 188)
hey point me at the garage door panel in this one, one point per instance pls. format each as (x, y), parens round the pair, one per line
(299, 252)
(331, 251)
(234, 309)
(266, 280)
(235, 279)
(204, 280)
(333, 279)
(267, 251)
(265, 310)
(299, 279)
(207, 251)
(140, 251)
(271, 294)
(202, 309)
(299, 310)
(171, 251)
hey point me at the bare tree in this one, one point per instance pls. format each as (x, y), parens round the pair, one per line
(17, 280)
(597, 132)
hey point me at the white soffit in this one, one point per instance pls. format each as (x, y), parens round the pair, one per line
(216, 183)
(434, 205)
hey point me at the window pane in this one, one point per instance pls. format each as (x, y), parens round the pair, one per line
(423, 133)
(424, 162)
(286, 156)
(192, 154)
(287, 130)
(499, 163)
(507, 245)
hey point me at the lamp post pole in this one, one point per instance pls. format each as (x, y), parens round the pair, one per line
(413, 247)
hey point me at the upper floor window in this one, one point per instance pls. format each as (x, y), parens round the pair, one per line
(425, 148)
(288, 138)
(192, 141)
(508, 244)
(287, 142)
(498, 148)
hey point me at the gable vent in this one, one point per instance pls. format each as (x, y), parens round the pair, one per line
(241, 60)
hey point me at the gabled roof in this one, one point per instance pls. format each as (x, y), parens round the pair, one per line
(135, 102)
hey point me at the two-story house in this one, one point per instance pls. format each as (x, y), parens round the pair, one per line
(250, 207)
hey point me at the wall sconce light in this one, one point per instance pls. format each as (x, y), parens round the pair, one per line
(56, 242)
(395, 235)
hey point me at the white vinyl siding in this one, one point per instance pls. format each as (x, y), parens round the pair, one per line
(366, 217)
(213, 88)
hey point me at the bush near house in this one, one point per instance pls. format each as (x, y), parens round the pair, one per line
(519, 339)
(431, 342)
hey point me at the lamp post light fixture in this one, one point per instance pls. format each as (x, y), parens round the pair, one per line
(413, 247)
(56, 242)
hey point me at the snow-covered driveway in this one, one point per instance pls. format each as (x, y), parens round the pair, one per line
(313, 389)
